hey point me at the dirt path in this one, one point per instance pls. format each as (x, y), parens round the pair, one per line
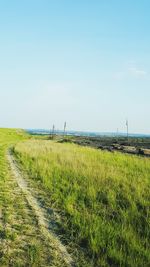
(39, 213)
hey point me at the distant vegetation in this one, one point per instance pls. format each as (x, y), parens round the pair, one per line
(104, 198)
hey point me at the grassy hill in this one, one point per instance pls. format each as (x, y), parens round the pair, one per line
(22, 243)
(103, 198)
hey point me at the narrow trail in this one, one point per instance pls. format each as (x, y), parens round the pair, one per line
(39, 212)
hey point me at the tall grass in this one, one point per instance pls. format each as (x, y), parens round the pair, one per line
(7, 235)
(104, 196)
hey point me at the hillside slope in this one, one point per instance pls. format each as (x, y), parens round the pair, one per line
(102, 198)
(22, 239)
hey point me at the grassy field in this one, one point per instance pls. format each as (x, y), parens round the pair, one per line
(103, 198)
(21, 241)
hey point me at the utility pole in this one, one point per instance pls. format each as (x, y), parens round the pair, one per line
(53, 130)
(127, 125)
(65, 125)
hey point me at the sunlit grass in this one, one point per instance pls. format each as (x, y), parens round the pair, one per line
(105, 197)
(21, 244)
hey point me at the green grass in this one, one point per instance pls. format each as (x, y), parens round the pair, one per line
(8, 137)
(21, 241)
(104, 198)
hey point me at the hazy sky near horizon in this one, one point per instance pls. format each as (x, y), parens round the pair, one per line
(86, 62)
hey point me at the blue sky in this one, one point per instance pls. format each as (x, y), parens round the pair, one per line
(86, 62)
